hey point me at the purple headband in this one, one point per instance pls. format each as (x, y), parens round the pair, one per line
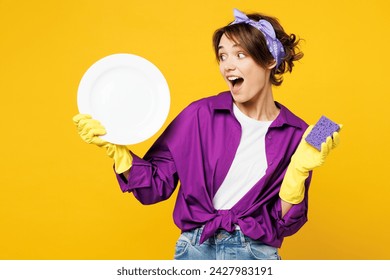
(274, 45)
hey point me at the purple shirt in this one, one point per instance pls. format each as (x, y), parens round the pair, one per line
(198, 148)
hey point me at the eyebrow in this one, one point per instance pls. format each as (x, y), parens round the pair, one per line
(236, 45)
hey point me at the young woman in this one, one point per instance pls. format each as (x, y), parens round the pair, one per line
(243, 167)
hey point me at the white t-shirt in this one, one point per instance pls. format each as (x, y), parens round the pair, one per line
(249, 164)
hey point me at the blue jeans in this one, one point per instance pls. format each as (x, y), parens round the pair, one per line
(222, 246)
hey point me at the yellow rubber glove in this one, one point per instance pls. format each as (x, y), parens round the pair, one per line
(90, 130)
(305, 159)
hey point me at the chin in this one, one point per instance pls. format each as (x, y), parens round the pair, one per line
(239, 99)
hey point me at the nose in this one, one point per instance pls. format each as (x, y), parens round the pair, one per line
(228, 65)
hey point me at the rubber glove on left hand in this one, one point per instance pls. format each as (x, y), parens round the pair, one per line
(305, 159)
(90, 130)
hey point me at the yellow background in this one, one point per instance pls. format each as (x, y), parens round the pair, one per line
(59, 198)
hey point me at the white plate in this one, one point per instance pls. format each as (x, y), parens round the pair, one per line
(128, 95)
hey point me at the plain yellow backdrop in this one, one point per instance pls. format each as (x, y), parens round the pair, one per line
(59, 198)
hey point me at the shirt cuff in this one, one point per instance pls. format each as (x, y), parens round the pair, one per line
(292, 220)
(140, 175)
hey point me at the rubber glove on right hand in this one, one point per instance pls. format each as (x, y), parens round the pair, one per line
(305, 159)
(90, 130)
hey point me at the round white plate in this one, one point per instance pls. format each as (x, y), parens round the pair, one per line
(128, 95)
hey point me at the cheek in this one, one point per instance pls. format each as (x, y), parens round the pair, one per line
(255, 83)
(255, 78)
(258, 77)
(221, 69)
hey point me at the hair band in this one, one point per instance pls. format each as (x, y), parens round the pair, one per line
(274, 45)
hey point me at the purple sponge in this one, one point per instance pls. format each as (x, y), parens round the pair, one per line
(321, 130)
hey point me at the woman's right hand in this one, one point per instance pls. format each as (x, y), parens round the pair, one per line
(90, 131)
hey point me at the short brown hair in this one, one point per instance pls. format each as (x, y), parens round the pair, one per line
(252, 41)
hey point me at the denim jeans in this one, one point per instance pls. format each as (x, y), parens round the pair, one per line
(222, 246)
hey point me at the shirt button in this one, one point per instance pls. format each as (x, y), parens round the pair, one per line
(271, 163)
(269, 137)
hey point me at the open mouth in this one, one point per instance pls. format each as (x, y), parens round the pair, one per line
(236, 81)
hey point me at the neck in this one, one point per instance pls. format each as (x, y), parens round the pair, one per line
(261, 108)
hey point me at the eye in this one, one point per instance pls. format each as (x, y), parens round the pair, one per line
(222, 57)
(241, 55)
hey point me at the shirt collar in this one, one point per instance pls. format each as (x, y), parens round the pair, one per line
(224, 101)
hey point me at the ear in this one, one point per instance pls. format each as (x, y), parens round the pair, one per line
(271, 66)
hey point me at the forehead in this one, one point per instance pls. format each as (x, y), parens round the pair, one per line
(228, 42)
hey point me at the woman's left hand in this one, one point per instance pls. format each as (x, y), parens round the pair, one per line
(306, 157)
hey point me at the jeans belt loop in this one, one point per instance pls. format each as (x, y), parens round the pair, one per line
(194, 237)
(242, 236)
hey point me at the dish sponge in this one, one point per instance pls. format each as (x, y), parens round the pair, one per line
(321, 130)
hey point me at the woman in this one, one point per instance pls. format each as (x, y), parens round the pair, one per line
(243, 169)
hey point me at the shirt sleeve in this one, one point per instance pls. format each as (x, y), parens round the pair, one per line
(153, 178)
(295, 218)
(150, 180)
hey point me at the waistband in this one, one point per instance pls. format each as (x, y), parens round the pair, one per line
(220, 236)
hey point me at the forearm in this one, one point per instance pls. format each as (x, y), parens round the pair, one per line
(149, 181)
(286, 206)
(292, 190)
(126, 174)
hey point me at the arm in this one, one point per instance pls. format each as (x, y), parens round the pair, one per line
(304, 160)
(126, 174)
(291, 217)
(154, 177)
(151, 179)
(90, 131)
(286, 206)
